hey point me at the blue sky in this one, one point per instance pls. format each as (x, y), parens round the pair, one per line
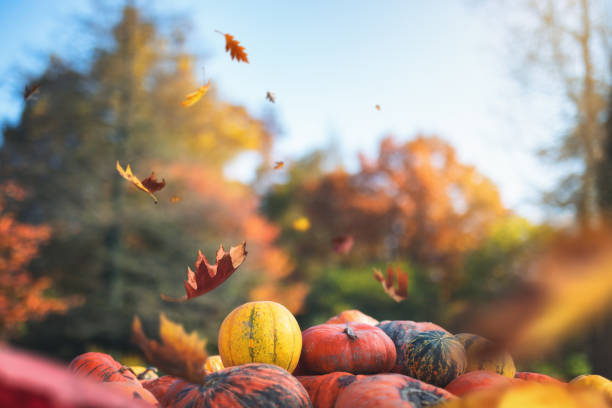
(434, 67)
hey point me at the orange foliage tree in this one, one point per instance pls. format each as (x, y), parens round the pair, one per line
(21, 297)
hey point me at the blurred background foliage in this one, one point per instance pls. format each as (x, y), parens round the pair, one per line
(413, 204)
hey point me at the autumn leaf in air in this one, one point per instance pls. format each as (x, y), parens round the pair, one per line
(29, 91)
(235, 49)
(377, 107)
(342, 244)
(398, 293)
(271, 97)
(279, 165)
(192, 98)
(178, 353)
(152, 184)
(206, 276)
(301, 224)
(127, 174)
(175, 199)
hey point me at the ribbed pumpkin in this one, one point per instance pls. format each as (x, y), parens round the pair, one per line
(260, 332)
(435, 357)
(213, 364)
(537, 377)
(391, 391)
(352, 316)
(482, 356)
(131, 390)
(401, 332)
(477, 380)
(101, 367)
(593, 381)
(159, 386)
(323, 390)
(357, 348)
(246, 386)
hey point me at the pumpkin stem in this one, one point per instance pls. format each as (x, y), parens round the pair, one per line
(350, 332)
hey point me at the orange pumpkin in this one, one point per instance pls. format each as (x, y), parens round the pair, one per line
(323, 390)
(352, 316)
(477, 380)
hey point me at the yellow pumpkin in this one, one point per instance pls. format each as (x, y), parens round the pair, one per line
(479, 358)
(213, 364)
(593, 381)
(260, 332)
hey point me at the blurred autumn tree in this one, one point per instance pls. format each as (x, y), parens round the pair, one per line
(110, 243)
(22, 298)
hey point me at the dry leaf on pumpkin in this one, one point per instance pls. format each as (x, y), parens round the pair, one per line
(398, 293)
(271, 97)
(128, 175)
(195, 96)
(206, 276)
(29, 91)
(342, 244)
(175, 199)
(377, 107)
(178, 354)
(279, 165)
(152, 184)
(235, 49)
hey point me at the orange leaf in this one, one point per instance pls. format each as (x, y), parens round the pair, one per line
(279, 165)
(152, 184)
(270, 96)
(401, 292)
(377, 107)
(176, 199)
(342, 244)
(29, 91)
(127, 174)
(235, 49)
(179, 354)
(195, 96)
(206, 276)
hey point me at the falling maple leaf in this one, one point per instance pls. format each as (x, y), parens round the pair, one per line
(342, 244)
(29, 91)
(127, 174)
(195, 96)
(398, 293)
(178, 354)
(279, 165)
(152, 184)
(301, 224)
(206, 276)
(175, 199)
(271, 97)
(235, 49)
(377, 107)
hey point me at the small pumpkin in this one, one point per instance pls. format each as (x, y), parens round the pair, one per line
(260, 332)
(245, 386)
(481, 355)
(101, 367)
(352, 316)
(323, 390)
(213, 364)
(391, 390)
(401, 332)
(435, 357)
(593, 381)
(477, 380)
(133, 391)
(357, 348)
(537, 377)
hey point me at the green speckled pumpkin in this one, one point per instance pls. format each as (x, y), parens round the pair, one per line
(435, 357)
(482, 356)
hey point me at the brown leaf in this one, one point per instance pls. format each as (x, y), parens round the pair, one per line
(152, 184)
(235, 49)
(271, 97)
(30, 90)
(279, 165)
(127, 174)
(195, 96)
(342, 244)
(401, 292)
(206, 276)
(179, 354)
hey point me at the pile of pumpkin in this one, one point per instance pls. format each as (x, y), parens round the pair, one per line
(351, 361)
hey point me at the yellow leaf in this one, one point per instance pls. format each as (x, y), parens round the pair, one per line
(301, 224)
(127, 174)
(193, 97)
